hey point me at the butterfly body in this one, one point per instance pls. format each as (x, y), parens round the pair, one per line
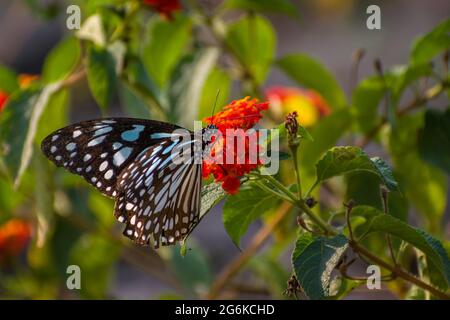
(140, 164)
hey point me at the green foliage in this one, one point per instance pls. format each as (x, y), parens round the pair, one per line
(171, 69)
(253, 40)
(430, 246)
(310, 73)
(241, 210)
(164, 46)
(62, 60)
(434, 139)
(101, 76)
(278, 6)
(428, 46)
(313, 260)
(343, 160)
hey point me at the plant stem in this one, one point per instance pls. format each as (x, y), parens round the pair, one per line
(399, 271)
(295, 159)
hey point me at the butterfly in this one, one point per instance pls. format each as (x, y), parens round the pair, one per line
(133, 161)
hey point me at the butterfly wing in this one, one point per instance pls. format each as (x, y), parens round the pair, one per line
(98, 150)
(158, 198)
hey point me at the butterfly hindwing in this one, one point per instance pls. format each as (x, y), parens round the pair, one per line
(99, 150)
(158, 198)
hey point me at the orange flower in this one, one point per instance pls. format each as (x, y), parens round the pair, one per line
(3, 99)
(239, 114)
(308, 103)
(26, 79)
(165, 7)
(14, 236)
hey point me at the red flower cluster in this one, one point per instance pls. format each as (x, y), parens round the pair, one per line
(309, 104)
(239, 114)
(3, 98)
(14, 236)
(164, 7)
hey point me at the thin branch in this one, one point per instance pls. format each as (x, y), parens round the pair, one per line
(418, 102)
(233, 268)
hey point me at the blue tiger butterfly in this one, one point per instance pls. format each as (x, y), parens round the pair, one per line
(129, 160)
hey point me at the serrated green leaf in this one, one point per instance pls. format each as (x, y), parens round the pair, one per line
(253, 40)
(313, 260)
(242, 209)
(164, 46)
(101, 76)
(62, 60)
(423, 241)
(343, 160)
(265, 6)
(434, 139)
(211, 195)
(429, 45)
(311, 74)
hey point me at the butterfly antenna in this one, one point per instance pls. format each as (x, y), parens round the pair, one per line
(215, 102)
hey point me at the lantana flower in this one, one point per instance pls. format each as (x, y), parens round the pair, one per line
(309, 104)
(14, 236)
(165, 7)
(3, 98)
(237, 119)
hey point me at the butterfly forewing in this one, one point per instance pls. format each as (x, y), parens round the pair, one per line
(158, 197)
(99, 150)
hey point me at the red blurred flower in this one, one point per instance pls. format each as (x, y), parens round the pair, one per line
(164, 7)
(234, 122)
(309, 104)
(14, 236)
(3, 99)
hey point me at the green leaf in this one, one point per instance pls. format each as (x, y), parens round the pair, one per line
(304, 133)
(8, 80)
(217, 80)
(311, 74)
(132, 104)
(343, 160)
(101, 76)
(192, 270)
(242, 209)
(314, 259)
(62, 60)
(96, 257)
(424, 185)
(253, 40)
(430, 246)
(434, 139)
(211, 195)
(265, 6)
(140, 85)
(164, 46)
(429, 45)
(19, 124)
(326, 134)
(187, 84)
(365, 100)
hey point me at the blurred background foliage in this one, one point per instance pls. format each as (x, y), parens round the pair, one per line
(166, 61)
